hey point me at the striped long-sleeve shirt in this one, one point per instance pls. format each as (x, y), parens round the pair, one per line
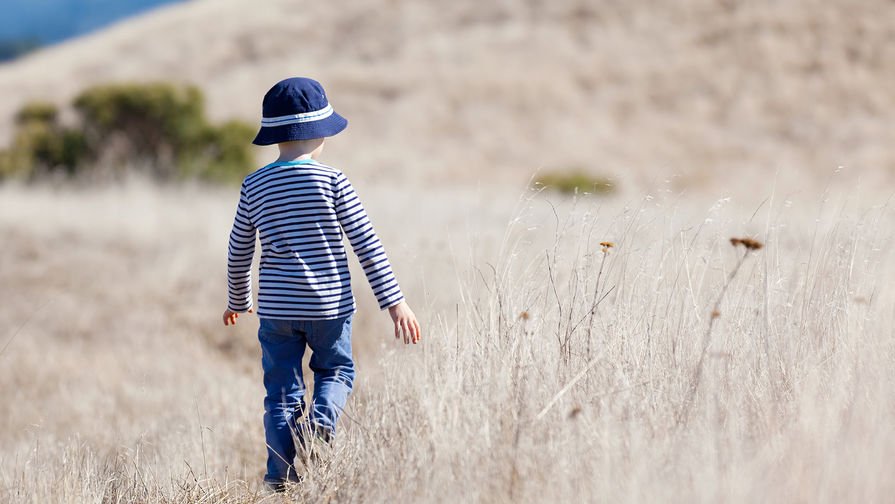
(300, 210)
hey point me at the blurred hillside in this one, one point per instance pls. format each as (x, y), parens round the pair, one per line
(708, 90)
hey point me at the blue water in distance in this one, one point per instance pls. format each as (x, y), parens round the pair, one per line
(51, 21)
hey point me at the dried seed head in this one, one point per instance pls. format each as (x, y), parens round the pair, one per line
(751, 244)
(524, 315)
(748, 243)
(606, 245)
(715, 314)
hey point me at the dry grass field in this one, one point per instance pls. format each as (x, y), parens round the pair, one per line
(120, 385)
(672, 366)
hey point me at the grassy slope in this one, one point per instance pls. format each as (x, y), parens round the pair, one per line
(707, 90)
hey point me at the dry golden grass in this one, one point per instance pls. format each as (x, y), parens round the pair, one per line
(120, 385)
(612, 350)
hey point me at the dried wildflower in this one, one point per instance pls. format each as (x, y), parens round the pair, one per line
(751, 244)
(606, 245)
(524, 315)
(747, 243)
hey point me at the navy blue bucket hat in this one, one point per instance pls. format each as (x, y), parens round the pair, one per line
(297, 109)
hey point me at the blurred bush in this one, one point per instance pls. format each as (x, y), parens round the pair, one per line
(226, 153)
(41, 145)
(158, 128)
(574, 181)
(42, 112)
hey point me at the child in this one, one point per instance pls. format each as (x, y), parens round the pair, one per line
(301, 208)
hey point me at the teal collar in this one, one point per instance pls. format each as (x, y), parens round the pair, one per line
(293, 162)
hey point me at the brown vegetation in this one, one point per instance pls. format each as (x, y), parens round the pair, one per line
(557, 376)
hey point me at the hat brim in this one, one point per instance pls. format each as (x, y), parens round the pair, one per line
(328, 127)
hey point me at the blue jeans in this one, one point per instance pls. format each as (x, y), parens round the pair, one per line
(283, 345)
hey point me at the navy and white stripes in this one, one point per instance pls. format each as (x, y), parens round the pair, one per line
(300, 211)
(316, 115)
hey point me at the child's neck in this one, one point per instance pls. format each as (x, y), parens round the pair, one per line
(300, 149)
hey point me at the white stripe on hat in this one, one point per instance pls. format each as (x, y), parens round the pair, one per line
(315, 115)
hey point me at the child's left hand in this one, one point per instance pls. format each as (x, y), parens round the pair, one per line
(231, 316)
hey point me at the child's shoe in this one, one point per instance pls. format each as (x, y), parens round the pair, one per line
(280, 486)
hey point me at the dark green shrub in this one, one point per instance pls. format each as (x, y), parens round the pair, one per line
(54, 149)
(41, 146)
(38, 111)
(158, 127)
(15, 163)
(156, 123)
(225, 156)
(574, 181)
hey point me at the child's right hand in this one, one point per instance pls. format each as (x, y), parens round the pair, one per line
(405, 323)
(230, 317)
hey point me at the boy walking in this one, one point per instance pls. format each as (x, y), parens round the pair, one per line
(301, 209)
